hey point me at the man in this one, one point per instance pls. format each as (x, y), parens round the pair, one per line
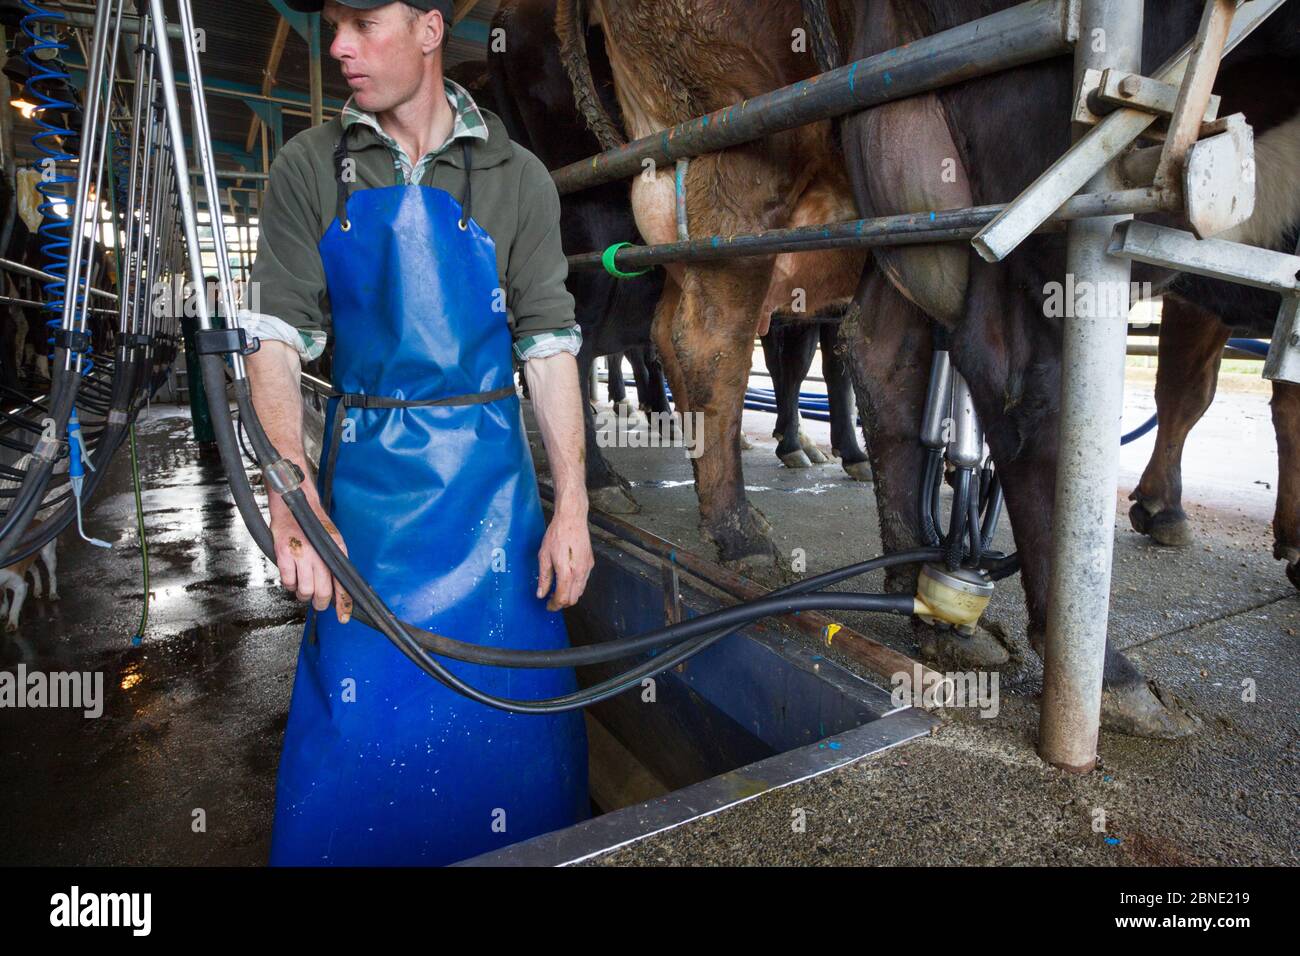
(412, 232)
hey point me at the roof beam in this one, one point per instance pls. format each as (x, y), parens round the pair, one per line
(268, 77)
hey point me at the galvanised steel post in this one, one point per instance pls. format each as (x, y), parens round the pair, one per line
(1092, 395)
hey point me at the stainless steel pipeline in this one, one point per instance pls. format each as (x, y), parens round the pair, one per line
(21, 268)
(94, 85)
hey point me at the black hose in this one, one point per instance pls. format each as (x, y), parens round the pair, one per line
(993, 511)
(973, 529)
(931, 474)
(954, 544)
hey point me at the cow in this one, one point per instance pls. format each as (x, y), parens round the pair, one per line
(524, 82)
(1003, 131)
(671, 62)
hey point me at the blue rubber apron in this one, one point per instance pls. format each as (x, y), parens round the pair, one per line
(430, 481)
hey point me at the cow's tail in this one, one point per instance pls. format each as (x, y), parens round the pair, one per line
(821, 30)
(571, 28)
(499, 79)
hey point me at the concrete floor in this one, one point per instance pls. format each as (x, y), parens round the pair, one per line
(195, 713)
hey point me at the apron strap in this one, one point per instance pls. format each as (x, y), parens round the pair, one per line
(464, 220)
(340, 160)
(355, 400)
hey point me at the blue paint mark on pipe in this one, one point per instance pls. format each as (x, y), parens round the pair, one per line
(853, 78)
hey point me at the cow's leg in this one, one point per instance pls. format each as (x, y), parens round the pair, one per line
(607, 490)
(706, 344)
(652, 392)
(788, 351)
(843, 406)
(886, 343)
(19, 586)
(50, 555)
(1286, 521)
(1017, 395)
(617, 388)
(1191, 351)
(655, 396)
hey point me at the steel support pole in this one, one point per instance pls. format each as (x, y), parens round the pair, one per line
(1092, 398)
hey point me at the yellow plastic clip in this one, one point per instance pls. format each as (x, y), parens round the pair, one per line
(831, 631)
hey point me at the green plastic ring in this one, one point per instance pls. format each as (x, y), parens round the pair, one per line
(607, 260)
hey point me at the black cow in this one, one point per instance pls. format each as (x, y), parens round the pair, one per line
(1003, 131)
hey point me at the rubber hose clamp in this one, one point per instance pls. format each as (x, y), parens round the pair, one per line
(48, 449)
(283, 476)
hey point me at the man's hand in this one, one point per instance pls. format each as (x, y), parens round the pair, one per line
(302, 570)
(273, 375)
(566, 549)
(566, 557)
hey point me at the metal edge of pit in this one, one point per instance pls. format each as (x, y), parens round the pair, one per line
(612, 831)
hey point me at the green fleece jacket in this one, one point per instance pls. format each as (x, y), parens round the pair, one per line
(513, 199)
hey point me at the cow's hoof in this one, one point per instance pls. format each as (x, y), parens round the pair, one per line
(54, 596)
(1292, 558)
(764, 569)
(1143, 709)
(745, 443)
(815, 454)
(613, 500)
(859, 470)
(11, 627)
(743, 537)
(796, 459)
(1168, 527)
(948, 650)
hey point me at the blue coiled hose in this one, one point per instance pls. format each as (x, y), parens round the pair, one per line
(55, 230)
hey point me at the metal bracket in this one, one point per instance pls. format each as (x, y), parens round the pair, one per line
(1194, 91)
(1219, 179)
(1283, 362)
(72, 340)
(672, 593)
(1117, 88)
(224, 341)
(283, 476)
(1216, 258)
(1096, 149)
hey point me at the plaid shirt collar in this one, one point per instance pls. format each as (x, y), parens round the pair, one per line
(467, 121)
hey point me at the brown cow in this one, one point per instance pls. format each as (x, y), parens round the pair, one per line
(673, 61)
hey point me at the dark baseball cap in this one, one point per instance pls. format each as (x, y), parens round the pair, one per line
(315, 6)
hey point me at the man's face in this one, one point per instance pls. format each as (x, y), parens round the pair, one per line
(382, 52)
